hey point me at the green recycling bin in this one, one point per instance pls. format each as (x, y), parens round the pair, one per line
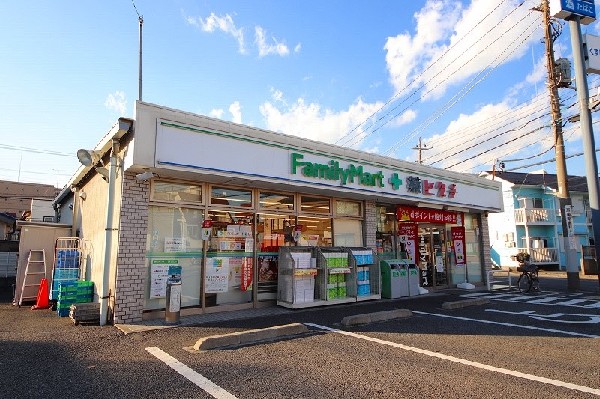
(394, 278)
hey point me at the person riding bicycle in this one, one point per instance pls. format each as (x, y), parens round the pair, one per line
(529, 273)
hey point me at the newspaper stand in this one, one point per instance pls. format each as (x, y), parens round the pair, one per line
(368, 276)
(300, 280)
(340, 275)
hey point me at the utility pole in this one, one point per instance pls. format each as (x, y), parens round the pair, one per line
(564, 198)
(587, 134)
(421, 147)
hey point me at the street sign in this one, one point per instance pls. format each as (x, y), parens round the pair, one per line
(592, 53)
(564, 9)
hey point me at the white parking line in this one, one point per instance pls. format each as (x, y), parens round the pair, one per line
(552, 330)
(207, 385)
(501, 370)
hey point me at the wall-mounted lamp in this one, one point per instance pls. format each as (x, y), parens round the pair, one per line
(147, 175)
(91, 158)
(88, 157)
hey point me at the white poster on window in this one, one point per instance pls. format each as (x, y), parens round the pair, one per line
(174, 244)
(217, 275)
(159, 273)
(158, 280)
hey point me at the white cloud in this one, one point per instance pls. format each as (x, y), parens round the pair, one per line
(277, 95)
(236, 112)
(406, 117)
(116, 102)
(448, 46)
(298, 48)
(310, 120)
(265, 49)
(539, 73)
(217, 113)
(222, 23)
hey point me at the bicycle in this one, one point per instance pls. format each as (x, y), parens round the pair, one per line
(528, 279)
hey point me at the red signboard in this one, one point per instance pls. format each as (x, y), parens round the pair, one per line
(458, 243)
(424, 215)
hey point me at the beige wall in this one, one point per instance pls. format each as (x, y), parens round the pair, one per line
(37, 237)
(92, 226)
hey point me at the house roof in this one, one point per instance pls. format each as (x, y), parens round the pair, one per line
(576, 183)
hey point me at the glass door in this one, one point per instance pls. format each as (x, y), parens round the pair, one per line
(432, 256)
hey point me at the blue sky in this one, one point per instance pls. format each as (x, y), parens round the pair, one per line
(468, 77)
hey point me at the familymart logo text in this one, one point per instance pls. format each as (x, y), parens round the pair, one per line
(333, 171)
(353, 174)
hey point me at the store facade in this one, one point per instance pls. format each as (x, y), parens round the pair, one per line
(216, 201)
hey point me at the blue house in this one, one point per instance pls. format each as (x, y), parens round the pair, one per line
(531, 221)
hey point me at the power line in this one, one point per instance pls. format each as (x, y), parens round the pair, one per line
(34, 150)
(347, 139)
(523, 166)
(490, 138)
(466, 89)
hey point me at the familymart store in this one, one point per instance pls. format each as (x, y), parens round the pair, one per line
(222, 200)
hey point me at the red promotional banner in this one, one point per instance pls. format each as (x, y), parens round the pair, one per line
(246, 274)
(407, 236)
(458, 242)
(424, 215)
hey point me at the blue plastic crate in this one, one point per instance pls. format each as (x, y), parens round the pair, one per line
(63, 312)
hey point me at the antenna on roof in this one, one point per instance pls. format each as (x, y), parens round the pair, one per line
(141, 21)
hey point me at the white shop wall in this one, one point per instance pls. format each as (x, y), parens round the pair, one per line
(202, 150)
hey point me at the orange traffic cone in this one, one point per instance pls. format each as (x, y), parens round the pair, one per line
(42, 296)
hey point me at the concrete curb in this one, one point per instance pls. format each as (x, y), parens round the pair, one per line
(249, 336)
(367, 318)
(465, 303)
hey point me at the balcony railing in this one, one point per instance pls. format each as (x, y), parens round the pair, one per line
(535, 215)
(541, 255)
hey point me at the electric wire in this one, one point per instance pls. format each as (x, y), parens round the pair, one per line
(482, 140)
(491, 138)
(537, 155)
(525, 110)
(479, 138)
(34, 150)
(473, 83)
(345, 141)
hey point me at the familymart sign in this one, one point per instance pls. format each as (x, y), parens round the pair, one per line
(362, 175)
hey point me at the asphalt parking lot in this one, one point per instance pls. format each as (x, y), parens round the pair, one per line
(426, 355)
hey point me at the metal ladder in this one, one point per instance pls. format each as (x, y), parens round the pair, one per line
(35, 271)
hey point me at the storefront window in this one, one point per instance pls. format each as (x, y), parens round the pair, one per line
(276, 201)
(229, 267)
(176, 192)
(273, 232)
(386, 233)
(313, 231)
(347, 233)
(231, 197)
(315, 205)
(173, 240)
(348, 208)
